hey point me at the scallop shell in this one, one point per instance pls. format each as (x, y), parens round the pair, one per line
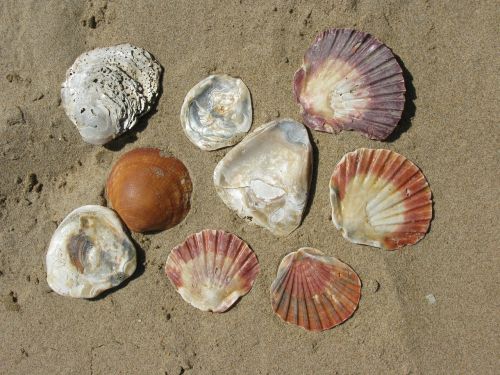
(212, 269)
(350, 81)
(89, 253)
(267, 176)
(314, 291)
(379, 198)
(108, 89)
(217, 112)
(150, 191)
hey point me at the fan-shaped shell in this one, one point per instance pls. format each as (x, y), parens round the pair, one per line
(89, 253)
(149, 190)
(107, 89)
(314, 291)
(266, 177)
(212, 269)
(217, 112)
(380, 198)
(350, 81)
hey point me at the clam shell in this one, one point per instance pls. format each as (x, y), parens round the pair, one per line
(314, 291)
(150, 191)
(212, 269)
(380, 198)
(107, 89)
(89, 253)
(266, 177)
(217, 112)
(350, 81)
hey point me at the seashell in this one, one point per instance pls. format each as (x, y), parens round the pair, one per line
(350, 81)
(217, 112)
(149, 191)
(267, 176)
(108, 89)
(314, 291)
(89, 253)
(379, 198)
(212, 269)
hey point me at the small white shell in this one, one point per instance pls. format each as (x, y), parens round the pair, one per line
(217, 112)
(108, 89)
(89, 253)
(267, 176)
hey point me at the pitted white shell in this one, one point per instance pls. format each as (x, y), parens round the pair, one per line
(108, 89)
(267, 176)
(89, 253)
(217, 112)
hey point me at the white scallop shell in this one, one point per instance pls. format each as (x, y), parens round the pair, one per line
(217, 112)
(89, 253)
(108, 89)
(267, 176)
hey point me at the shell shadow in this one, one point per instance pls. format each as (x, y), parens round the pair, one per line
(314, 176)
(409, 108)
(141, 257)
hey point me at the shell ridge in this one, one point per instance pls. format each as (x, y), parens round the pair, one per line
(225, 242)
(316, 311)
(197, 276)
(239, 251)
(292, 307)
(289, 294)
(342, 294)
(279, 285)
(380, 215)
(229, 254)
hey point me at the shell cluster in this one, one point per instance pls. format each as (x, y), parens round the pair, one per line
(108, 89)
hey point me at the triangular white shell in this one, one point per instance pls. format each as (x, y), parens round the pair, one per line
(108, 89)
(266, 177)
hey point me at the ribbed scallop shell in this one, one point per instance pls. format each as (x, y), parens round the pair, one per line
(212, 269)
(89, 253)
(314, 291)
(350, 81)
(107, 89)
(217, 112)
(380, 198)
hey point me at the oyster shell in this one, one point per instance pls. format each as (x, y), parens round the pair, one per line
(89, 253)
(267, 176)
(350, 81)
(212, 269)
(107, 89)
(380, 198)
(217, 112)
(314, 291)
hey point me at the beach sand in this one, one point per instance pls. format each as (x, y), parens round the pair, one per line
(449, 129)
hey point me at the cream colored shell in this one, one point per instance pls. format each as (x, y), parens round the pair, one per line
(217, 112)
(89, 253)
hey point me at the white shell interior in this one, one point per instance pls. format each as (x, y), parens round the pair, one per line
(217, 112)
(107, 89)
(267, 176)
(89, 253)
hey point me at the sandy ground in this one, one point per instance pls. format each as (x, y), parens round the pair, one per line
(449, 129)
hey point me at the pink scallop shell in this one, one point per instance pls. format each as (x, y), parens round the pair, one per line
(212, 269)
(315, 291)
(350, 81)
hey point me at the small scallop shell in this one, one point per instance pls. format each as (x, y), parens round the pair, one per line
(267, 176)
(350, 81)
(217, 112)
(379, 198)
(108, 89)
(149, 191)
(89, 253)
(314, 291)
(212, 269)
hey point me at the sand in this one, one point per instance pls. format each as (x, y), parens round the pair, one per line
(449, 129)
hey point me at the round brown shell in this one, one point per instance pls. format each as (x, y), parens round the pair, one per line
(314, 291)
(148, 190)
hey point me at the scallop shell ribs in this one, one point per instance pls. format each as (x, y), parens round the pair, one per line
(314, 291)
(212, 269)
(380, 198)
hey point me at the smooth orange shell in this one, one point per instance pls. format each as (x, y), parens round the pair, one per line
(314, 291)
(149, 191)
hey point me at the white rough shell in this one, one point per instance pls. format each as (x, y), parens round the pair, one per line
(107, 89)
(89, 253)
(217, 112)
(267, 176)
